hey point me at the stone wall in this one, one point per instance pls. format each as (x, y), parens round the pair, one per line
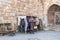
(13, 8)
(10, 9)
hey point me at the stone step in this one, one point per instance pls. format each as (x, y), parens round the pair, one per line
(54, 27)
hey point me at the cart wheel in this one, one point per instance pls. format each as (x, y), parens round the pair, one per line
(12, 34)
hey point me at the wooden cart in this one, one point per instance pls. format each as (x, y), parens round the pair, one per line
(5, 28)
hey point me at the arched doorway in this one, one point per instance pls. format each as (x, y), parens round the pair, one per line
(54, 14)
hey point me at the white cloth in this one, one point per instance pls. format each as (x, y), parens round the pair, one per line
(37, 21)
(26, 24)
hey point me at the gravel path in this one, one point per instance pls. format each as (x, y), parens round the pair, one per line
(41, 35)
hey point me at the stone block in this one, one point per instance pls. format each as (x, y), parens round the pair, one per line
(1, 18)
(10, 17)
(12, 14)
(5, 17)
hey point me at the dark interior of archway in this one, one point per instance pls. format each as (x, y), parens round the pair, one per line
(51, 14)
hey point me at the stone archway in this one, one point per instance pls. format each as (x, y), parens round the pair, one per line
(54, 14)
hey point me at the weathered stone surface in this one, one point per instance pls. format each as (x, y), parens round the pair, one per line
(10, 9)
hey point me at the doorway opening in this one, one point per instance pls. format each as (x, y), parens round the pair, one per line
(54, 14)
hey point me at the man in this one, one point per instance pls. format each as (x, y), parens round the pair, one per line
(22, 25)
(31, 20)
